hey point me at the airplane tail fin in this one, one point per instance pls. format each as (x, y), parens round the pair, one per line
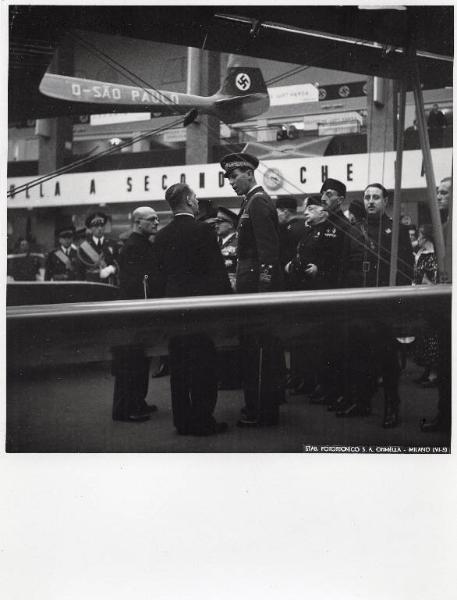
(243, 80)
(243, 95)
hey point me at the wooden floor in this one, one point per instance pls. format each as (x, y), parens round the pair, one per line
(69, 410)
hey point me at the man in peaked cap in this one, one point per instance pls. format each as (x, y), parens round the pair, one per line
(291, 229)
(258, 270)
(62, 263)
(97, 254)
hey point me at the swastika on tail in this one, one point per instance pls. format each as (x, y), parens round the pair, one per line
(243, 81)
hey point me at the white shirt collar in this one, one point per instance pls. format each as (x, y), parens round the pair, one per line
(96, 240)
(184, 213)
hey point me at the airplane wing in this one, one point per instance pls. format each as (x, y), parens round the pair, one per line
(85, 332)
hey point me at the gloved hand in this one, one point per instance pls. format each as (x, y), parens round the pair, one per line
(107, 271)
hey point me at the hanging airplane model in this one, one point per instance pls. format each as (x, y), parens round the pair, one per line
(242, 95)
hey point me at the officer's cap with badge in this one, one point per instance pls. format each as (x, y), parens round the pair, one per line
(240, 160)
(286, 202)
(334, 184)
(97, 218)
(65, 231)
(225, 214)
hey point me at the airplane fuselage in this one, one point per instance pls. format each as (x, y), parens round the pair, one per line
(100, 92)
(121, 97)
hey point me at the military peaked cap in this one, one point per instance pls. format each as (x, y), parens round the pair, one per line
(65, 231)
(97, 218)
(237, 161)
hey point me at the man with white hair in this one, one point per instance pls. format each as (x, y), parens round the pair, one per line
(130, 364)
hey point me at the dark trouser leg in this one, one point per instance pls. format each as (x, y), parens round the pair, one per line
(263, 375)
(180, 369)
(250, 357)
(131, 370)
(203, 393)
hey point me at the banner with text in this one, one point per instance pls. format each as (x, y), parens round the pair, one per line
(279, 177)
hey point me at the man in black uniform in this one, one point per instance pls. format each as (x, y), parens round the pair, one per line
(372, 349)
(258, 270)
(62, 263)
(97, 254)
(328, 390)
(379, 232)
(138, 269)
(315, 264)
(333, 193)
(190, 264)
(291, 230)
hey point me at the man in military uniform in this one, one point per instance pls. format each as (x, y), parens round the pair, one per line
(333, 194)
(315, 264)
(372, 350)
(97, 254)
(291, 230)
(226, 222)
(379, 240)
(258, 270)
(228, 358)
(130, 365)
(62, 263)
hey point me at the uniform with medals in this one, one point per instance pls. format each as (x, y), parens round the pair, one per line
(97, 255)
(226, 222)
(319, 246)
(62, 263)
(258, 270)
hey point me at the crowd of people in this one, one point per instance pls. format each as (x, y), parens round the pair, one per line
(266, 247)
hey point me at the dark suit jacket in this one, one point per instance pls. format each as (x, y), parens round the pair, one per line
(137, 259)
(189, 260)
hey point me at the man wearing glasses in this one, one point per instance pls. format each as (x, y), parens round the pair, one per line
(130, 364)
